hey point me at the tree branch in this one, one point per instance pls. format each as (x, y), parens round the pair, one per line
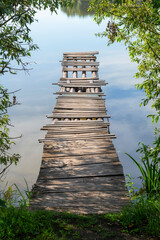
(12, 17)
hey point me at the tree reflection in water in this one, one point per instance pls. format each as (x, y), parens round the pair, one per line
(80, 8)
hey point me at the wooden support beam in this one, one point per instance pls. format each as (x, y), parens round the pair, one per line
(80, 53)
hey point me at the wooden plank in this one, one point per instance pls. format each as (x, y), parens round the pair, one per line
(82, 97)
(80, 110)
(79, 58)
(69, 104)
(82, 85)
(72, 150)
(80, 53)
(80, 93)
(78, 115)
(67, 69)
(79, 142)
(68, 161)
(103, 169)
(75, 63)
(67, 138)
(80, 102)
(76, 131)
(78, 128)
(116, 183)
(61, 161)
(76, 79)
(82, 123)
(92, 209)
(86, 198)
(70, 138)
(82, 152)
(75, 108)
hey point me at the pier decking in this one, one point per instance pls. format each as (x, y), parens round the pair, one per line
(80, 170)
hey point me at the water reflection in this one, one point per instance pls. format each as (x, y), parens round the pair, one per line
(80, 8)
(56, 34)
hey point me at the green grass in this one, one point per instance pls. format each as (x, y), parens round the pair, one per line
(142, 216)
(23, 224)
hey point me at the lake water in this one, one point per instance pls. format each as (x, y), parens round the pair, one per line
(54, 35)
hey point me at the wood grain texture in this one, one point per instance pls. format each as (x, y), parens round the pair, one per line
(80, 171)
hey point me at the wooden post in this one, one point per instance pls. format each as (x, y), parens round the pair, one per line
(83, 72)
(93, 72)
(75, 73)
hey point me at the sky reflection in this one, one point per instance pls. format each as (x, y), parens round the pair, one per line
(56, 34)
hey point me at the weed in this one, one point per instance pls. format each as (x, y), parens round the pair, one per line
(149, 166)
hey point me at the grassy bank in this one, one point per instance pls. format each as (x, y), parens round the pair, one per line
(138, 221)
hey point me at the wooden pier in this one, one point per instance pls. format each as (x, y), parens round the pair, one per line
(80, 170)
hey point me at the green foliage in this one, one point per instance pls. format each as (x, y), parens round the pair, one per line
(139, 218)
(6, 159)
(13, 196)
(131, 188)
(15, 40)
(142, 216)
(23, 224)
(136, 23)
(80, 8)
(150, 167)
(23, 198)
(16, 44)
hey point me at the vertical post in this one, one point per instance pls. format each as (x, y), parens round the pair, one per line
(75, 72)
(93, 72)
(83, 72)
(65, 73)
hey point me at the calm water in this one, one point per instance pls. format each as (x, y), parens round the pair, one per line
(56, 34)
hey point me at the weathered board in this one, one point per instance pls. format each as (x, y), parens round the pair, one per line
(80, 170)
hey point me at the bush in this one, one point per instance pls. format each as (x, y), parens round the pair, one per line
(142, 216)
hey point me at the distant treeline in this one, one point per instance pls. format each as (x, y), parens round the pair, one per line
(80, 8)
